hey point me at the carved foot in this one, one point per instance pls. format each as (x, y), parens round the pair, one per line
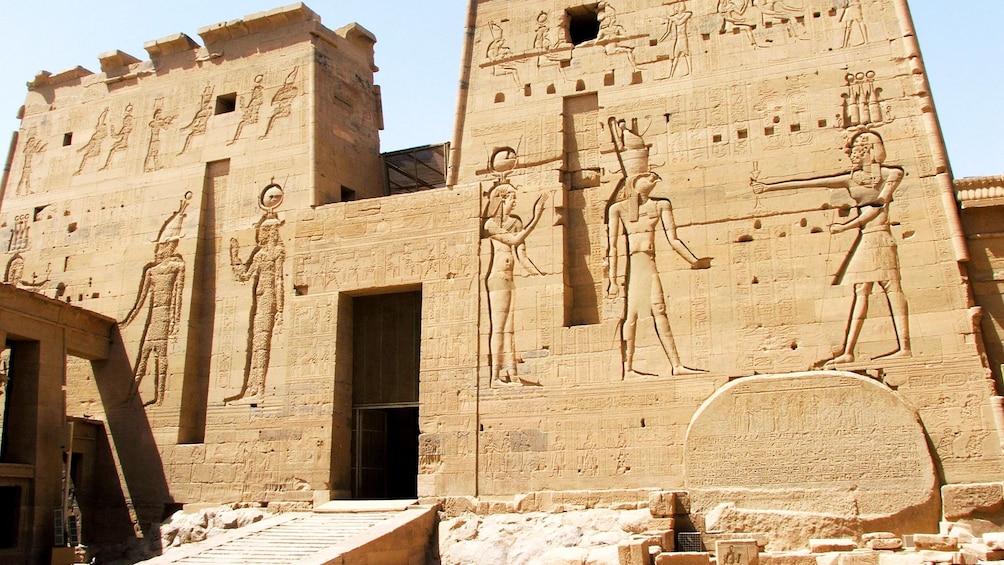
(683, 370)
(633, 374)
(839, 359)
(898, 354)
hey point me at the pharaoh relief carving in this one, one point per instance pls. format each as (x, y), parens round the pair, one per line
(14, 274)
(872, 258)
(32, 148)
(633, 219)
(251, 110)
(611, 33)
(853, 18)
(264, 268)
(507, 235)
(161, 287)
(200, 120)
(93, 147)
(282, 101)
(551, 50)
(120, 139)
(159, 123)
(676, 34)
(745, 16)
(499, 54)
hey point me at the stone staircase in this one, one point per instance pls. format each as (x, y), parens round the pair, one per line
(390, 532)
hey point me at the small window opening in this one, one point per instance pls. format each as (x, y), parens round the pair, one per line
(527, 91)
(768, 24)
(348, 195)
(717, 138)
(580, 85)
(832, 12)
(67, 138)
(636, 77)
(800, 19)
(226, 103)
(816, 14)
(499, 98)
(821, 123)
(742, 134)
(608, 79)
(768, 130)
(795, 128)
(583, 25)
(551, 89)
(39, 215)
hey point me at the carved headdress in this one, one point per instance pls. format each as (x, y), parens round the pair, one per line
(171, 230)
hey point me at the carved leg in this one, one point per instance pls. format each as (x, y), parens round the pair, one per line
(858, 312)
(900, 320)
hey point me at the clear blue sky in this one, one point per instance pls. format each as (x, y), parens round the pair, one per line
(419, 46)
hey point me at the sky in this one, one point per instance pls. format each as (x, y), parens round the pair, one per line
(419, 45)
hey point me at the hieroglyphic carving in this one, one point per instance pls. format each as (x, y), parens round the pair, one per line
(852, 16)
(611, 33)
(553, 51)
(32, 147)
(250, 111)
(507, 236)
(19, 234)
(93, 147)
(872, 257)
(200, 120)
(265, 267)
(740, 15)
(633, 218)
(158, 123)
(163, 282)
(120, 139)
(282, 101)
(676, 34)
(498, 51)
(862, 105)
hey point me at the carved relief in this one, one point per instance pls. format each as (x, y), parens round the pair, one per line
(611, 33)
(499, 52)
(93, 147)
(282, 101)
(19, 235)
(742, 16)
(777, 12)
(872, 258)
(553, 51)
(676, 34)
(633, 217)
(120, 140)
(250, 111)
(32, 147)
(161, 287)
(200, 120)
(14, 274)
(507, 235)
(265, 268)
(157, 124)
(862, 105)
(853, 18)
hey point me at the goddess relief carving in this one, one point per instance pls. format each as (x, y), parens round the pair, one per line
(282, 101)
(507, 234)
(120, 140)
(161, 288)
(200, 120)
(93, 147)
(33, 147)
(873, 258)
(633, 219)
(249, 113)
(157, 124)
(265, 268)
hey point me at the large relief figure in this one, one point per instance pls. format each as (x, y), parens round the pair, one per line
(872, 259)
(265, 268)
(161, 289)
(633, 220)
(507, 234)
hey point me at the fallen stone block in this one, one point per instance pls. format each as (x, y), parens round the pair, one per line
(933, 556)
(665, 539)
(683, 558)
(934, 542)
(788, 558)
(662, 504)
(835, 544)
(634, 551)
(886, 544)
(982, 552)
(878, 535)
(994, 540)
(737, 552)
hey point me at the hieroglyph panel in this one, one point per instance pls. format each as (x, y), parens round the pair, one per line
(808, 441)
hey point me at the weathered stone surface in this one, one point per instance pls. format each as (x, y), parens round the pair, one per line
(683, 558)
(832, 544)
(982, 552)
(884, 543)
(788, 558)
(935, 556)
(662, 504)
(935, 542)
(962, 501)
(994, 540)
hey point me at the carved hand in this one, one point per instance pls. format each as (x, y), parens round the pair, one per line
(234, 250)
(838, 228)
(757, 186)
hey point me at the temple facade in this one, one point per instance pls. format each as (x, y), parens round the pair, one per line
(680, 246)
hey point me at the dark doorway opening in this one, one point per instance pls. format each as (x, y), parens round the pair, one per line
(387, 331)
(10, 516)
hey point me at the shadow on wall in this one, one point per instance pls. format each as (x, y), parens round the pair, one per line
(142, 491)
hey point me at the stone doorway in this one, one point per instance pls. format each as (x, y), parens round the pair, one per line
(387, 331)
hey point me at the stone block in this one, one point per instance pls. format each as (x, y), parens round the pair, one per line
(683, 558)
(884, 544)
(832, 544)
(932, 556)
(787, 558)
(737, 552)
(634, 551)
(982, 552)
(934, 542)
(662, 504)
(877, 535)
(994, 540)
(961, 501)
(665, 539)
